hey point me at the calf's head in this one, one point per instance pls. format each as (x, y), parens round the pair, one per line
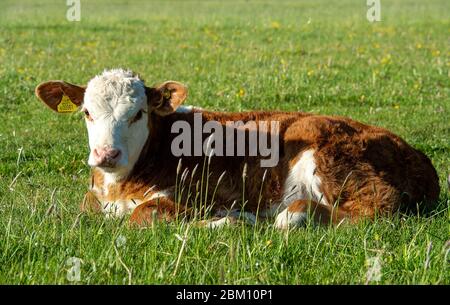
(117, 107)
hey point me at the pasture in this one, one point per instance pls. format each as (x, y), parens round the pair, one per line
(313, 56)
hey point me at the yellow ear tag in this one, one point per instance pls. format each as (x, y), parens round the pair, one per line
(167, 94)
(66, 105)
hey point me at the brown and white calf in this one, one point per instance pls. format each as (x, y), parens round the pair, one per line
(330, 168)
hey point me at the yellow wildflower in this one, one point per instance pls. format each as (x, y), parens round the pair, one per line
(386, 59)
(275, 25)
(436, 53)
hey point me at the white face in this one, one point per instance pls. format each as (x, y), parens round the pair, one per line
(116, 110)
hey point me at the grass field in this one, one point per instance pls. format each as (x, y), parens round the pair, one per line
(313, 56)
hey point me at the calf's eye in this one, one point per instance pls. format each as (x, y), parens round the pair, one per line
(87, 115)
(137, 117)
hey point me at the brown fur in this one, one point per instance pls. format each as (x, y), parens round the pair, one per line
(364, 170)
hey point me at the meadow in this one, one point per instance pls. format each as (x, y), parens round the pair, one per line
(314, 56)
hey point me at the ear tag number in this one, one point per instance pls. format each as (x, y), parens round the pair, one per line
(66, 105)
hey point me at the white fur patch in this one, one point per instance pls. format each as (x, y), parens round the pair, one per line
(302, 182)
(222, 222)
(109, 179)
(288, 219)
(119, 208)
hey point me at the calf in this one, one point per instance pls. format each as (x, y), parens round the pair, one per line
(329, 168)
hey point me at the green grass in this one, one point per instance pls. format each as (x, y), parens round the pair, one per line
(314, 56)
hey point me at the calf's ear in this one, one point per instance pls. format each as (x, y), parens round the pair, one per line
(166, 98)
(60, 96)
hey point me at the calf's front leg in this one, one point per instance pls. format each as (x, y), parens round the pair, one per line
(155, 209)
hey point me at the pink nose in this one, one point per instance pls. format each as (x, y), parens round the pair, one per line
(106, 157)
